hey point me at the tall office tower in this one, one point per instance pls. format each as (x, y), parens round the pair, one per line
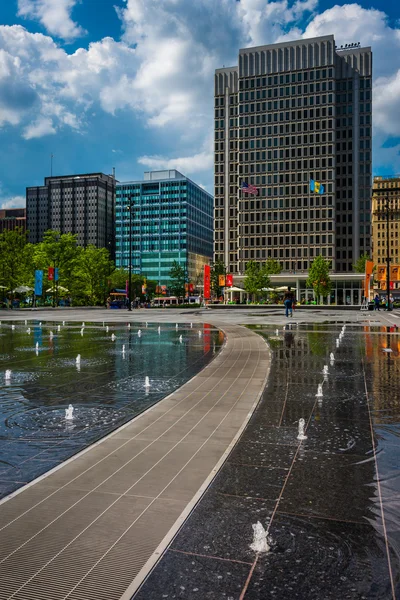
(81, 204)
(172, 220)
(12, 218)
(290, 113)
(386, 196)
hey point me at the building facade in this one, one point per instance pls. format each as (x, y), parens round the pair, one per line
(172, 220)
(12, 218)
(386, 197)
(287, 114)
(79, 204)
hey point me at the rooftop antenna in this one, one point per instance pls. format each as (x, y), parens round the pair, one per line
(113, 173)
(51, 164)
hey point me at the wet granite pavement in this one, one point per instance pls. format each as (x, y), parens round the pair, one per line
(331, 503)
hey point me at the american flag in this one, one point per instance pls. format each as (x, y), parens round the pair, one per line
(249, 189)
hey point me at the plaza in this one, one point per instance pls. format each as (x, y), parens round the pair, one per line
(163, 505)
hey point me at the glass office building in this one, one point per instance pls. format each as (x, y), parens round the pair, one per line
(172, 220)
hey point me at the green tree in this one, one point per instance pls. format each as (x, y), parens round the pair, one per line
(178, 279)
(118, 279)
(256, 278)
(91, 271)
(15, 259)
(318, 277)
(273, 267)
(217, 269)
(60, 251)
(359, 265)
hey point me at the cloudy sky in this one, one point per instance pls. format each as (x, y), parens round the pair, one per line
(129, 83)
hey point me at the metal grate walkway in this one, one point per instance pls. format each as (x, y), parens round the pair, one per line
(99, 522)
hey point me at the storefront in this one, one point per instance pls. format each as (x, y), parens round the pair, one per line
(347, 288)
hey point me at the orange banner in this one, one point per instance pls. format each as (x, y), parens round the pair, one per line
(221, 280)
(394, 273)
(369, 267)
(381, 273)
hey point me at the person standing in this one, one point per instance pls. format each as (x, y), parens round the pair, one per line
(288, 302)
(377, 302)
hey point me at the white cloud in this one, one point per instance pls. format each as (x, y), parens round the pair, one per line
(42, 126)
(162, 70)
(387, 104)
(13, 202)
(202, 161)
(54, 15)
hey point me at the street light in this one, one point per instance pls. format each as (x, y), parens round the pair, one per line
(129, 208)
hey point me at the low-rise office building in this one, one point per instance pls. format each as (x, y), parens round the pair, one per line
(12, 218)
(170, 219)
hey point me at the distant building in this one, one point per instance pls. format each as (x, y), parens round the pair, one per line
(79, 204)
(290, 113)
(11, 218)
(172, 220)
(386, 188)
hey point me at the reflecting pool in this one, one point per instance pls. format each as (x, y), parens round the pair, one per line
(106, 385)
(330, 502)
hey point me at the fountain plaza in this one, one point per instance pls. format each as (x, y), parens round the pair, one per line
(233, 455)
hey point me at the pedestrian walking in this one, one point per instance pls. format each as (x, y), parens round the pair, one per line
(377, 302)
(288, 302)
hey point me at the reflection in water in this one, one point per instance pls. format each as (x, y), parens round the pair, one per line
(330, 511)
(104, 381)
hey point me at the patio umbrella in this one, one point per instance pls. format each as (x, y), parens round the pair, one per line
(22, 289)
(283, 288)
(60, 289)
(268, 289)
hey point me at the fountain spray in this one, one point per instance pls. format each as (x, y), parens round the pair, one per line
(301, 435)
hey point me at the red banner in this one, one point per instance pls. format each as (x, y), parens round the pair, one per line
(50, 274)
(207, 282)
(229, 281)
(191, 287)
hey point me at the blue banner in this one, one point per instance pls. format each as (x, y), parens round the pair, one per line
(56, 274)
(38, 283)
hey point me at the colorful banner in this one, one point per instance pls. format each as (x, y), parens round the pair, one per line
(381, 273)
(221, 280)
(127, 288)
(229, 281)
(394, 273)
(207, 282)
(164, 290)
(38, 283)
(50, 273)
(191, 288)
(369, 266)
(56, 274)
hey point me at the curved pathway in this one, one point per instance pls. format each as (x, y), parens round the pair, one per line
(92, 528)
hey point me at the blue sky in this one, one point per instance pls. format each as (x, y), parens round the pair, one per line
(129, 83)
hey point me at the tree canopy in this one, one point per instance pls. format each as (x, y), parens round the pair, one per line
(15, 259)
(318, 277)
(359, 265)
(256, 278)
(216, 270)
(178, 279)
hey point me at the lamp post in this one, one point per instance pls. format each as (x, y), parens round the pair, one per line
(129, 208)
